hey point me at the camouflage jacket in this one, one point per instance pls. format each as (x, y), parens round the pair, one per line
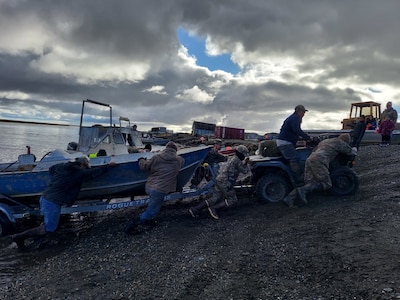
(328, 149)
(229, 171)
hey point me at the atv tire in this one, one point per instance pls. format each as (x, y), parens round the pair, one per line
(344, 181)
(272, 188)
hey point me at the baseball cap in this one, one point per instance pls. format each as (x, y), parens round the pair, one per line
(300, 108)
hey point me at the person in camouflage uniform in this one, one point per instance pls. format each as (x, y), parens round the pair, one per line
(223, 193)
(316, 173)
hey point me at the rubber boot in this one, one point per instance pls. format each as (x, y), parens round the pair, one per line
(297, 174)
(36, 232)
(309, 187)
(133, 227)
(213, 209)
(289, 199)
(194, 211)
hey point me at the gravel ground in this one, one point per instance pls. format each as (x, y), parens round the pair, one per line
(333, 248)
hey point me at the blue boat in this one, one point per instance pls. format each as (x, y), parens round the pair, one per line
(124, 180)
(22, 182)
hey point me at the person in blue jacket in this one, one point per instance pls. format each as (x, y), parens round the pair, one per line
(64, 187)
(288, 136)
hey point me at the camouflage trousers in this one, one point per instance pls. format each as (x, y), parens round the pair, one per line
(317, 172)
(221, 192)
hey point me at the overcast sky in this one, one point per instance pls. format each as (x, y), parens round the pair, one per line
(138, 57)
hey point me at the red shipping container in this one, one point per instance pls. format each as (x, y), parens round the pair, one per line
(222, 132)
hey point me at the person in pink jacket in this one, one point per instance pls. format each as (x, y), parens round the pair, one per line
(385, 129)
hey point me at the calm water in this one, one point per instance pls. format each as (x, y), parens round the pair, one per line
(15, 137)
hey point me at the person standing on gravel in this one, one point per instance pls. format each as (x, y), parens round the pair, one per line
(391, 112)
(223, 193)
(288, 137)
(385, 129)
(65, 185)
(316, 173)
(164, 169)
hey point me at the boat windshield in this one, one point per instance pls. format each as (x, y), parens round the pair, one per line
(118, 139)
(134, 139)
(92, 136)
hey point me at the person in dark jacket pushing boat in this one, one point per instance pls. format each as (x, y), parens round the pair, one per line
(164, 169)
(66, 182)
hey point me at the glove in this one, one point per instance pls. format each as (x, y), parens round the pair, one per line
(354, 150)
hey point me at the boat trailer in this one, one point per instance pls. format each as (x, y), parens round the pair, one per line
(9, 214)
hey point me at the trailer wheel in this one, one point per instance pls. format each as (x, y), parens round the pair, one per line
(272, 188)
(6, 226)
(344, 181)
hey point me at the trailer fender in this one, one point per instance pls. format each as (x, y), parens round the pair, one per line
(7, 211)
(7, 220)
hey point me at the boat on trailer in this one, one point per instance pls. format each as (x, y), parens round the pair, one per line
(22, 182)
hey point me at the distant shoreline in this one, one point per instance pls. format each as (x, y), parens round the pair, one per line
(30, 122)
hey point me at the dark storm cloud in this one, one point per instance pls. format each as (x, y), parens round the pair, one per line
(58, 53)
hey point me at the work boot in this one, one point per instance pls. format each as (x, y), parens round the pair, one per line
(213, 209)
(133, 226)
(19, 241)
(297, 175)
(20, 238)
(309, 187)
(302, 194)
(289, 199)
(150, 223)
(194, 211)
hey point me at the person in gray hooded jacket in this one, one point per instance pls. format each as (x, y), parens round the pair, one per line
(164, 169)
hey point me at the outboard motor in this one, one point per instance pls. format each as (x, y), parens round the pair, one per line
(72, 146)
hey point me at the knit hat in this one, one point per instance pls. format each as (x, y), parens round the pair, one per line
(84, 160)
(345, 137)
(243, 149)
(171, 145)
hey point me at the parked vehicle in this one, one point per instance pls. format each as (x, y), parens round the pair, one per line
(368, 108)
